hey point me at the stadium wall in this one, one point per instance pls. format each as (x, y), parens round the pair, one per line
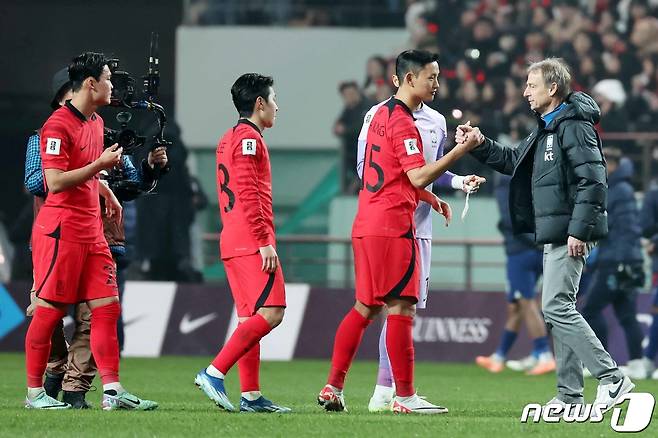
(209, 59)
(184, 319)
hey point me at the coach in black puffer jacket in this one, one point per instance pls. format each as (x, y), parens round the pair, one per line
(559, 181)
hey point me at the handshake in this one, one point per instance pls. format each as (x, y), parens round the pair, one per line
(468, 137)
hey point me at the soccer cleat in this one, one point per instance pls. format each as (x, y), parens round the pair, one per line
(491, 363)
(525, 364)
(545, 364)
(381, 399)
(125, 401)
(76, 399)
(53, 385)
(331, 399)
(416, 405)
(261, 404)
(213, 387)
(609, 394)
(638, 368)
(44, 401)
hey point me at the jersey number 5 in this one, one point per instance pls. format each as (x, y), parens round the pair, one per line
(380, 172)
(223, 186)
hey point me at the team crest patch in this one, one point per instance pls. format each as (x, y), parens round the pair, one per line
(249, 146)
(53, 145)
(411, 145)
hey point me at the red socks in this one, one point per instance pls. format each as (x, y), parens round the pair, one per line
(348, 337)
(37, 343)
(249, 367)
(104, 342)
(243, 339)
(400, 346)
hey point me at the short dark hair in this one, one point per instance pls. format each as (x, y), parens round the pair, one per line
(86, 65)
(413, 61)
(247, 88)
(347, 84)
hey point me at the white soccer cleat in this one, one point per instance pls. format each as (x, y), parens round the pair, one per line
(525, 364)
(609, 394)
(381, 399)
(416, 405)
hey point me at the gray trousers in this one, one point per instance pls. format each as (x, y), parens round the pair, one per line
(574, 341)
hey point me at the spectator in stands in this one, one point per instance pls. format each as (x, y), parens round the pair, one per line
(376, 69)
(347, 128)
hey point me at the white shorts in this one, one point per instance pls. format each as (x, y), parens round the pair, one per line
(425, 252)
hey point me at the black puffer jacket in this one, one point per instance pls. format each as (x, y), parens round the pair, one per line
(559, 181)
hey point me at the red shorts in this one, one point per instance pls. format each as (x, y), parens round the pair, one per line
(385, 267)
(71, 272)
(253, 288)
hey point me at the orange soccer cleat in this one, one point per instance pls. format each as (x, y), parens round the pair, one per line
(491, 363)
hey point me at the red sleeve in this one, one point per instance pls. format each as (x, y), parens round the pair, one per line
(55, 146)
(407, 145)
(246, 162)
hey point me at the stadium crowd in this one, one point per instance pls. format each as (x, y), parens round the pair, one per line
(611, 46)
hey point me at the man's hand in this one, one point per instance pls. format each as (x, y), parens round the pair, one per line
(33, 304)
(444, 209)
(575, 247)
(468, 136)
(472, 183)
(113, 207)
(158, 157)
(270, 259)
(110, 157)
(437, 204)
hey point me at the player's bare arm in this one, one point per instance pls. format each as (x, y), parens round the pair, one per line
(59, 180)
(420, 177)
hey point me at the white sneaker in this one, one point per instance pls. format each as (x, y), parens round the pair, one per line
(557, 402)
(416, 405)
(609, 394)
(638, 368)
(381, 399)
(525, 364)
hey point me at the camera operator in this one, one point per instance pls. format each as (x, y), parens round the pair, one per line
(618, 271)
(75, 373)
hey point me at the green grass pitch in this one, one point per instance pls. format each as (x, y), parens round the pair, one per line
(481, 404)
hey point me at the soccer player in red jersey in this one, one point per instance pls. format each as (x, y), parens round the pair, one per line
(72, 262)
(386, 259)
(247, 244)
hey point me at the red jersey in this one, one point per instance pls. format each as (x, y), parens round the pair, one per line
(70, 141)
(387, 199)
(244, 189)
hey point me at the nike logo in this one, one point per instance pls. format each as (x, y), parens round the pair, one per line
(82, 148)
(188, 325)
(134, 402)
(616, 392)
